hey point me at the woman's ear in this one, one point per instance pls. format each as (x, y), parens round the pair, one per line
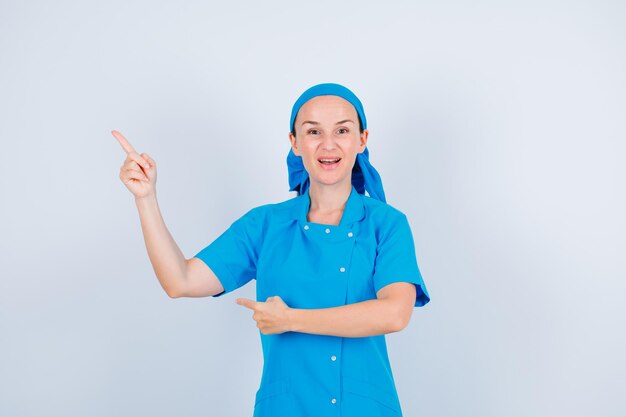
(294, 144)
(363, 140)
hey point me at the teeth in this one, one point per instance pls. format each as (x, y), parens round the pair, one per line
(329, 160)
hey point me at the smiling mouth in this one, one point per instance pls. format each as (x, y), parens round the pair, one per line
(329, 161)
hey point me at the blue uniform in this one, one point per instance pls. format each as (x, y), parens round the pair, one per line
(312, 265)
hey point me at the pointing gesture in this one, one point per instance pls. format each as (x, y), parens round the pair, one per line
(138, 172)
(272, 316)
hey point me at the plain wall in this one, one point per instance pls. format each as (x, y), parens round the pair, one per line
(497, 127)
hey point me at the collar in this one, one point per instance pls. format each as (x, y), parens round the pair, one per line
(352, 212)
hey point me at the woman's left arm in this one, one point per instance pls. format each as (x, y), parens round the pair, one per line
(389, 312)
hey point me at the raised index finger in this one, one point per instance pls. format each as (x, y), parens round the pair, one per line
(123, 141)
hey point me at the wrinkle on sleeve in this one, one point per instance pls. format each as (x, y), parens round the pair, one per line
(233, 256)
(396, 260)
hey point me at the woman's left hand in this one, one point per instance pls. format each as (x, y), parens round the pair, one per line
(272, 316)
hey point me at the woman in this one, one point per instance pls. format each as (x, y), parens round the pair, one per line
(335, 269)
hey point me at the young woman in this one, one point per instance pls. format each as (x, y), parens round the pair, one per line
(335, 269)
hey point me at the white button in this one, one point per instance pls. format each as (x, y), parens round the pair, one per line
(334, 401)
(333, 358)
(350, 234)
(342, 269)
(327, 230)
(306, 227)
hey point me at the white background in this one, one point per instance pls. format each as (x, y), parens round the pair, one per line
(497, 127)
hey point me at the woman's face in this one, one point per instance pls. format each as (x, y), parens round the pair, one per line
(327, 128)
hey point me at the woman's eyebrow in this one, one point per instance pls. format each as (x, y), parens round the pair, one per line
(316, 123)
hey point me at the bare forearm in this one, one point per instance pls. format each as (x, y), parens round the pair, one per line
(167, 260)
(365, 318)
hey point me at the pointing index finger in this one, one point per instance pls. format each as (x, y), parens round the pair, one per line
(123, 141)
(251, 304)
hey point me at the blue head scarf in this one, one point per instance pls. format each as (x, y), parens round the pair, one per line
(364, 175)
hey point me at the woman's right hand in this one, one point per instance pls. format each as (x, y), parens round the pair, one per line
(138, 172)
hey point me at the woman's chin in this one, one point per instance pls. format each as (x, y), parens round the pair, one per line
(329, 179)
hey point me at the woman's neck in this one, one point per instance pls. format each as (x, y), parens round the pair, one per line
(327, 200)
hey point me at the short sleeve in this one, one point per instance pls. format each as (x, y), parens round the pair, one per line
(396, 261)
(234, 254)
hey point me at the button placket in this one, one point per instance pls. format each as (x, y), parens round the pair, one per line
(334, 371)
(349, 234)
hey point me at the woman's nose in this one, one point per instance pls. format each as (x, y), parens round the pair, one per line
(328, 142)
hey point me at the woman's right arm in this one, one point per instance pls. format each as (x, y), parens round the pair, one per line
(179, 277)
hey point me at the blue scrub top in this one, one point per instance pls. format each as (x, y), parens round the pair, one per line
(312, 265)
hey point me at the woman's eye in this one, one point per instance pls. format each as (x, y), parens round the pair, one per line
(344, 130)
(313, 131)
